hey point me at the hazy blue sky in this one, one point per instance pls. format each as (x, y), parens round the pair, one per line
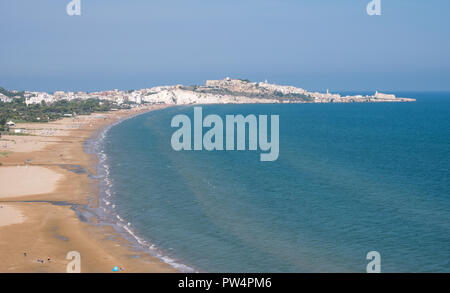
(141, 43)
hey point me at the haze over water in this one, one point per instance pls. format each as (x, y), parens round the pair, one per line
(350, 178)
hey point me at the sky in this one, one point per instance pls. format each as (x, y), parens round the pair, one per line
(313, 44)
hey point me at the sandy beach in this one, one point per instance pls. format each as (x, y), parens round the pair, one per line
(38, 189)
(10, 215)
(24, 180)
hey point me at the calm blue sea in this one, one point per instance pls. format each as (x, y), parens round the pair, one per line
(350, 178)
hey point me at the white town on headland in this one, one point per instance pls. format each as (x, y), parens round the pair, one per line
(227, 91)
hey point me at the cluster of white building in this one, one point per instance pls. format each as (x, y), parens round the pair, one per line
(5, 99)
(237, 85)
(242, 91)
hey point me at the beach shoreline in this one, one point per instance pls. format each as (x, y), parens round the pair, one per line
(47, 179)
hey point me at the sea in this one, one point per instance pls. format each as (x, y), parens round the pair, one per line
(349, 179)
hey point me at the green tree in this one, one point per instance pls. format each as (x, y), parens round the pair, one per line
(3, 121)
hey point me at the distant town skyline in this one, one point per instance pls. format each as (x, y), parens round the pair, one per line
(139, 44)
